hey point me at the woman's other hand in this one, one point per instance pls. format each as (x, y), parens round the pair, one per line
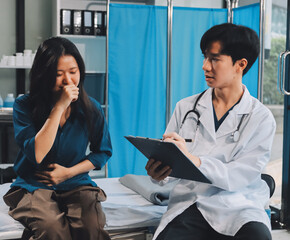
(56, 175)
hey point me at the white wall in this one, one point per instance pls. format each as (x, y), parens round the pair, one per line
(37, 28)
(247, 2)
(193, 3)
(37, 22)
(7, 44)
(281, 3)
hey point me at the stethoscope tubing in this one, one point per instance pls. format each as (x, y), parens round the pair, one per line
(235, 134)
(193, 110)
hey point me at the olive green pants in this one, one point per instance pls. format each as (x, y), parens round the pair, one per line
(51, 215)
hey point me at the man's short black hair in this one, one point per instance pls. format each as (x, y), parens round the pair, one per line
(236, 41)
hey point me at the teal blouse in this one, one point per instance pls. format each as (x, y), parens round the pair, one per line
(69, 148)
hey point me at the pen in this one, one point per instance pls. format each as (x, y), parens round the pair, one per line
(186, 139)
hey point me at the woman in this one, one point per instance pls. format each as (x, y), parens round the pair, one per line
(53, 195)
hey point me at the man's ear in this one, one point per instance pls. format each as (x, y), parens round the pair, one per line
(242, 64)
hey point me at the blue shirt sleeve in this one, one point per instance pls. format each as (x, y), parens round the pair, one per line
(24, 129)
(100, 144)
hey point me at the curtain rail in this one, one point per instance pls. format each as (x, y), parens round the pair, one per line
(169, 54)
(261, 55)
(107, 73)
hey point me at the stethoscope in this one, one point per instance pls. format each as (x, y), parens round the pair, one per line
(235, 135)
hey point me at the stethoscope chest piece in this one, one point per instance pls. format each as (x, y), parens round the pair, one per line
(236, 136)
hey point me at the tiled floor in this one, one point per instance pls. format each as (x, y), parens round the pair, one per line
(281, 235)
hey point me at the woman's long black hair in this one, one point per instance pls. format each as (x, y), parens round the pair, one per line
(43, 78)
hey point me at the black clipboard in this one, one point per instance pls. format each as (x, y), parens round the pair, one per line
(170, 155)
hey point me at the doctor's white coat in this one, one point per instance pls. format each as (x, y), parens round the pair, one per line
(237, 194)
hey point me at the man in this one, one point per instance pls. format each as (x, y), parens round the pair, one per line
(232, 139)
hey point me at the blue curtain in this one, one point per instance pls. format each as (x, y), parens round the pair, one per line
(137, 70)
(137, 81)
(189, 24)
(250, 16)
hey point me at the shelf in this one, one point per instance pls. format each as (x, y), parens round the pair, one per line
(6, 117)
(14, 67)
(57, 5)
(80, 36)
(95, 72)
(6, 165)
(29, 67)
(82, 4)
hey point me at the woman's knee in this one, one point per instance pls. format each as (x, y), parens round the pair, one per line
(50, 228)
(85, 214)
(92, 212)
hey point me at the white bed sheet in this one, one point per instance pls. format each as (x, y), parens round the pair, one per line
(124, 209)
(9, 228)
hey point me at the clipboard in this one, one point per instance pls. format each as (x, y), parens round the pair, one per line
(170, 155)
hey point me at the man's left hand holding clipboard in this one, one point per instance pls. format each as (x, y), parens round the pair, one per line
(169, 156)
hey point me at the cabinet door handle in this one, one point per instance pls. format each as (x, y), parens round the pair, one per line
(282, 73)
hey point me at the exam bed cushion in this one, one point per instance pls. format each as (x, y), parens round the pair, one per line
(151, 191)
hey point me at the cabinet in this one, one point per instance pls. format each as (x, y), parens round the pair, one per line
(91, 47)
(8, 147)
